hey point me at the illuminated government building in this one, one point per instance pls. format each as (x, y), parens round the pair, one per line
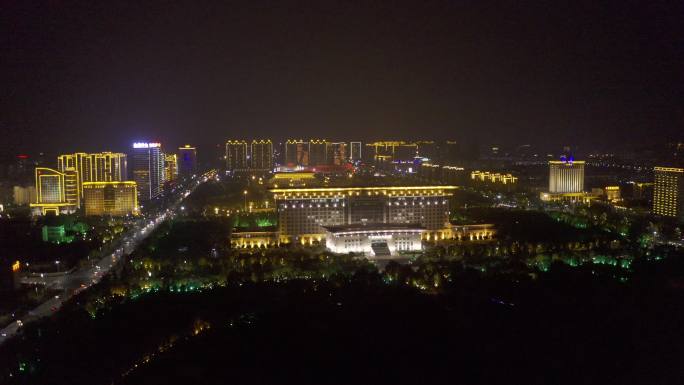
(667, 193)
(110, 198)
(566, 181)
(374, 220)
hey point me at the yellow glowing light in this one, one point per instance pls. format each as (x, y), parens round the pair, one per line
(16, 266)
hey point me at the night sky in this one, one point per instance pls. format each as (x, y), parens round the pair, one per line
(89, 77)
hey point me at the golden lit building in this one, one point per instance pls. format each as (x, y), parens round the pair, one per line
(170, 167)
(318, 152)
(236, 155)
(491, 177)
(261, 155)
(110, 198)
(667, 195)
(337, 153)
(566, 176)
(296, 153)
(51, 194)
(389, 151)
(293, 179)
(613, 193)
(566, 182)
(303, 213)
(95, 167)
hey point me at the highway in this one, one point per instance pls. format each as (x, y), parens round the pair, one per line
(83, 278)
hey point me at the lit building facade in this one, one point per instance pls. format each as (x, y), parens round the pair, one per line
(382, 240)
(24, 195)
(355, 151)
(110, 198)
(187, 161)
(566, 176)
(337, 153)
(261, 155)
(95, 167)
(667, 193)
(170, 167)
(296, 153)
(318, 153)
(148, 170)
(303, 213)
(492, 177)
(51, 195)
(236, 156)
(391, 151)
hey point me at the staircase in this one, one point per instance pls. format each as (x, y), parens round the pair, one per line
(380, 249)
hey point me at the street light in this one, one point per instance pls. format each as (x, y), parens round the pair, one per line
(245, 194)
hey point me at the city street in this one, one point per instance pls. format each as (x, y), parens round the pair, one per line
(81, 279)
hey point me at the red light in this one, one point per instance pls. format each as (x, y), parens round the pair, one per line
(22, 156)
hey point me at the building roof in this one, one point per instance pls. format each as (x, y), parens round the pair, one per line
(370, 227)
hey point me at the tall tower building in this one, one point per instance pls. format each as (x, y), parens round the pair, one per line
(566, 176)
(297, 153)
(187, 161)
(261, 155)
(148, 169)
(236, 155)
(355, 153)
(667, 194)
(337, 153)
(97, 167)
(170, 167)
(318, 152)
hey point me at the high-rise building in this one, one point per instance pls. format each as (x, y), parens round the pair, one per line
(337, 153)
(296, 153)
(566, 176)
(391, 151)
(318, 152)
(355, 151)
(667, 194)
(170, 167)
(51, 194)
(187, 161)
(236, 155)
(110, 198)
(261, 155)
(96, 167)
(148, 170)
(24, 195)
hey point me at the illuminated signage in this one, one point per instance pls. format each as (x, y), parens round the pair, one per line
(146, 145)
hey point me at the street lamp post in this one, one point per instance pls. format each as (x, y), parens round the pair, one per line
(245, 194)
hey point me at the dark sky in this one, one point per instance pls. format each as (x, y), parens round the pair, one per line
(87, 76)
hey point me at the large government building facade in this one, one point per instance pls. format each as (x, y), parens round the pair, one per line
(379, 218)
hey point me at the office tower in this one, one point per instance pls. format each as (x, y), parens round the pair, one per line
(110, 198)
(355, 153)
(318, 152)
(72, 191)
(667, 194)
(96, 167)
(24, 195)
(448, 153)
(337, 153)
(261, 155)
(236, 155)
(187, 161)
(170, 167)
(566, 176)
(296, 153)
(148, 170)
(51, 195)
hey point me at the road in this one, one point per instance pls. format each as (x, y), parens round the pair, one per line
(83, 278)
